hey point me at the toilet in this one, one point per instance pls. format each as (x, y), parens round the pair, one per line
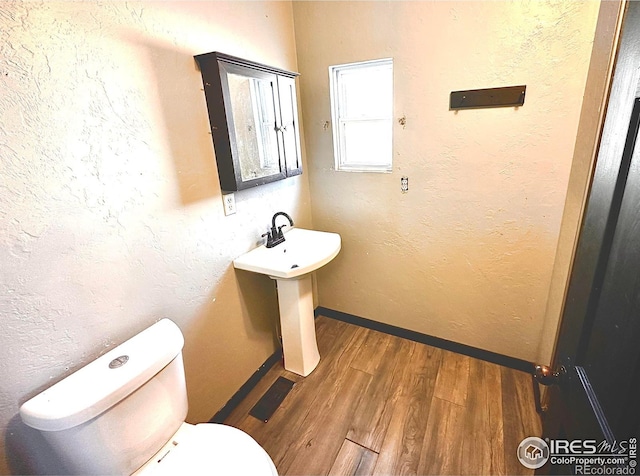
(124, 414)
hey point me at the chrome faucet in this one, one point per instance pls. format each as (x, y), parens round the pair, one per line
(275, 235)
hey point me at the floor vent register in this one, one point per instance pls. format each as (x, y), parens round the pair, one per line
(272, 399)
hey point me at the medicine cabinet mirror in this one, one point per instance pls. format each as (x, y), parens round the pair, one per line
(253, 114)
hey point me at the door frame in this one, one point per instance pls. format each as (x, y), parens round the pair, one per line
(587, 267)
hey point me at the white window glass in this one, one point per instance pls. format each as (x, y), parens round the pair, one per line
(361, 109)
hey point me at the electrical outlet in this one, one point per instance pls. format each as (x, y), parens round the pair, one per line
(229, 201)
(404, 184)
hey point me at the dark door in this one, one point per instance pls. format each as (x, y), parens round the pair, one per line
(594, 410)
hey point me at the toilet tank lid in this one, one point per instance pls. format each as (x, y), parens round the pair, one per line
(104, 382)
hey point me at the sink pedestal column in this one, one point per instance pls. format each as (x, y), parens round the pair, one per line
(299, 346)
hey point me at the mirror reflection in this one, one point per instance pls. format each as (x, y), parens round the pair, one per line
(253, 107)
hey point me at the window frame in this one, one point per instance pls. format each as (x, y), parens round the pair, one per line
(337, 104)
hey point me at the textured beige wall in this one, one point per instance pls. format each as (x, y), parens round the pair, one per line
(468, 253)
(110, 209)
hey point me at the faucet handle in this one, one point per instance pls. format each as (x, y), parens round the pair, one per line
(280, 234)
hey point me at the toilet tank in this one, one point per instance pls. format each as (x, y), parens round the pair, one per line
(115, 413)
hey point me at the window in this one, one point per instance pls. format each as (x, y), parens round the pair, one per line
(361, 111)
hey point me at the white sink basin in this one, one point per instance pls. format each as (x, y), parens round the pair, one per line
(290, 264)
(302, 252)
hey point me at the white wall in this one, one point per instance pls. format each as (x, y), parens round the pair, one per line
(468, 253)
(110, 209)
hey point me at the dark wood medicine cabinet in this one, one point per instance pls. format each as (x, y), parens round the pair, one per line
(253, 112)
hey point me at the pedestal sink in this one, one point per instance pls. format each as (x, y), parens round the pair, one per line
(290, 263)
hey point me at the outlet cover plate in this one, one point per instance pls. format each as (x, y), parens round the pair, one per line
(229, 201)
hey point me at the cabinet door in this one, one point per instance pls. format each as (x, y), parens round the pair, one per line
(253, 118)
(253, 114)
(290, 128)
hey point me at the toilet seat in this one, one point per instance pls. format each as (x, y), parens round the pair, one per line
(209, 448)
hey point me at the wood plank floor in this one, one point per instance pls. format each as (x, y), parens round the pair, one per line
(382, 405)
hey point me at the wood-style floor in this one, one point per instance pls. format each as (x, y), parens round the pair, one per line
(382, 405)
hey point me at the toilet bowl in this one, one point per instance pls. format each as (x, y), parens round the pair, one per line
(124, 413)
(209, 448)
